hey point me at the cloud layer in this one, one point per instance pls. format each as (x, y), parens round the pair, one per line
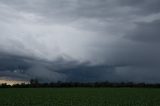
(80, 40)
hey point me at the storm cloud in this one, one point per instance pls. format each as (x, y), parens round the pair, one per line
(80, 40)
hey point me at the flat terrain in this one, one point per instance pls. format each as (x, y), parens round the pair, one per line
(79, 97)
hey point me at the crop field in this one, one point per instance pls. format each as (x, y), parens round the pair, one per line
(79, 97)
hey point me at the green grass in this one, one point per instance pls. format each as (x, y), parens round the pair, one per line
(80, 97)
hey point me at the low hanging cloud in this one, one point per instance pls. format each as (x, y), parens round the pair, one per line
(80, 40)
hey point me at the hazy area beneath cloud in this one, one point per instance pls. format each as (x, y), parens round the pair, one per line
(80, 40)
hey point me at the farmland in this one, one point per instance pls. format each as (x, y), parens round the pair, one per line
(80, 97)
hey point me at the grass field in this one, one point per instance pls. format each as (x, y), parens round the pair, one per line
(79, 97)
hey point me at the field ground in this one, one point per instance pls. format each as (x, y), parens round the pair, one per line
(80, 97)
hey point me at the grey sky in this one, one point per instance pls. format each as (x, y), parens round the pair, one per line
(80, 40)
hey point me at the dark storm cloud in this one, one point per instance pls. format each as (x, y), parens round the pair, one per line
(142, 6)
(80, 40)
(11, 62)
(147, 32)
(16, 67)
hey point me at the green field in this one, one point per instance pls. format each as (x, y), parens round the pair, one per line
(79, 97)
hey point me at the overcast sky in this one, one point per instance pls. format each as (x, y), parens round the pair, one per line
(80, 40)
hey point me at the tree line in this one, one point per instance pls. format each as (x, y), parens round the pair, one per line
(34, 83)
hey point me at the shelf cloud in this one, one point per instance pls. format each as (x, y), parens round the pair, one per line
(80, 40)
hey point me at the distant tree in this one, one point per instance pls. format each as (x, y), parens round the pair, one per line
(34, 82)
(4, 85)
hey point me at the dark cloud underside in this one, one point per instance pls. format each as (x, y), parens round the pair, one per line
(80, 40)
